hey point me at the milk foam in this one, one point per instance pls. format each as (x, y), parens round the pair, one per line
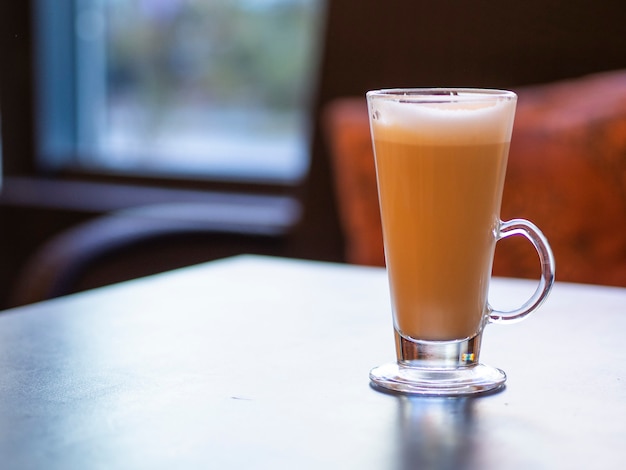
(463, 122)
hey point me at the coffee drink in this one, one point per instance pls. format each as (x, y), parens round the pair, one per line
(440, 170)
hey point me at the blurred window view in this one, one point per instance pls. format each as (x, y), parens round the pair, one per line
(187, 88)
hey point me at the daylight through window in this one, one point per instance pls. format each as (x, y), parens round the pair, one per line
(196, 88)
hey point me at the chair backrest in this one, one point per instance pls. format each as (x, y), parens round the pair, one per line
(566, 173)
(140, 241)
(354, 173)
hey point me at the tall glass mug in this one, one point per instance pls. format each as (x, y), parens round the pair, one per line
(441, 157)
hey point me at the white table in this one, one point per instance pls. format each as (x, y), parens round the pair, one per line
(255, 362)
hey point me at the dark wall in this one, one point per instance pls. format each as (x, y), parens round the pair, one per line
(15, 85)
(374, 44)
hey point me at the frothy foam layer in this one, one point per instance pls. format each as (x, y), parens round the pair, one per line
(462, 122)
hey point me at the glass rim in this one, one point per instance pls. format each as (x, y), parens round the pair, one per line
(441, 95)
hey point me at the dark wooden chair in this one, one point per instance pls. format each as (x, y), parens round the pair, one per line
(132, 243)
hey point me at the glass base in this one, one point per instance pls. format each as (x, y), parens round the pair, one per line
(470, 380)
(441, 368)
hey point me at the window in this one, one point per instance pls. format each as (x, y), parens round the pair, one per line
(214, 89)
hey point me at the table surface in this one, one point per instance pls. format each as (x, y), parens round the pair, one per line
(255, 362)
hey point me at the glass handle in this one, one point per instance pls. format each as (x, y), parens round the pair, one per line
(533, 234)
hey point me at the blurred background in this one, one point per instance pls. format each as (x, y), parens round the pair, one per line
(145, 135)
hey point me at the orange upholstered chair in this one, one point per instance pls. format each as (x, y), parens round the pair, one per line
(566, 173)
